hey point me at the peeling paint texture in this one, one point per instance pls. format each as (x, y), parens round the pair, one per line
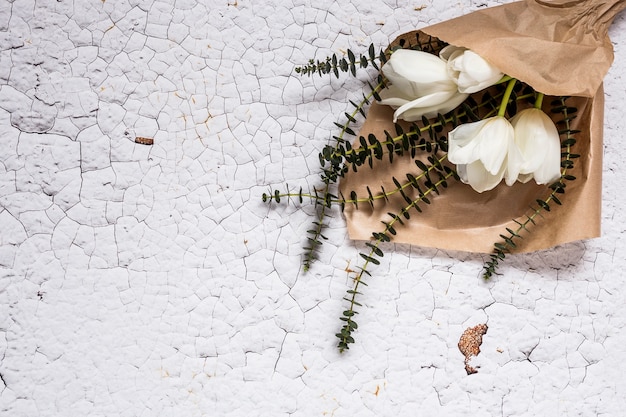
(152, 281)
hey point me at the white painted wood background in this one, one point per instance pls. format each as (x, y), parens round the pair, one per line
(152, 281)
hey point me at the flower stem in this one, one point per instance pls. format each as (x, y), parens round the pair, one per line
(506, 97)
(539, 101)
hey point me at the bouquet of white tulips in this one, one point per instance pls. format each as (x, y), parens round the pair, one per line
(478, 127)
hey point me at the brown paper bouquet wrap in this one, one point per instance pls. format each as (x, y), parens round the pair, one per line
(560, 48)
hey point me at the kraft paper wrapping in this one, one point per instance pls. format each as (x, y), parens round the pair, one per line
(559, 48)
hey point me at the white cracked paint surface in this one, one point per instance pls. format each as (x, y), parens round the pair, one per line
(152, 281)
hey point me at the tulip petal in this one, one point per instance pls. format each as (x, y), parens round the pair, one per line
(482, 180)
(550, 170)
(429, 106)
(496, 138)
(415, 66)
(461, 144)
(514, 162)
(417, 73)
(394, 96)
(476, 74)
(461, 171)
(447, 52)
(524, 178)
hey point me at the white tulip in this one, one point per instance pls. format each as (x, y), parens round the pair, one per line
(420, 86)
(537, 139)
(483, 151)
(469, 70)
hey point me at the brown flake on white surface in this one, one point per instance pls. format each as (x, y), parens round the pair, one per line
(469, 344)
(144, 141)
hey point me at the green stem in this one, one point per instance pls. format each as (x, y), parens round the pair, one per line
(323, 201)
(506, 97)
(539, 101)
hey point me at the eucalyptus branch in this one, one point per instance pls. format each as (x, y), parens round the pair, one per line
(336, 65)
(373, 148)
(326, 199)
(331, 154)
(348, 315)
(330, 176)
(567, 163)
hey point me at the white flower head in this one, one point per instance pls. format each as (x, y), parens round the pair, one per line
(537, 139)
(481, 151)
(420, 86)
(469, 70)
